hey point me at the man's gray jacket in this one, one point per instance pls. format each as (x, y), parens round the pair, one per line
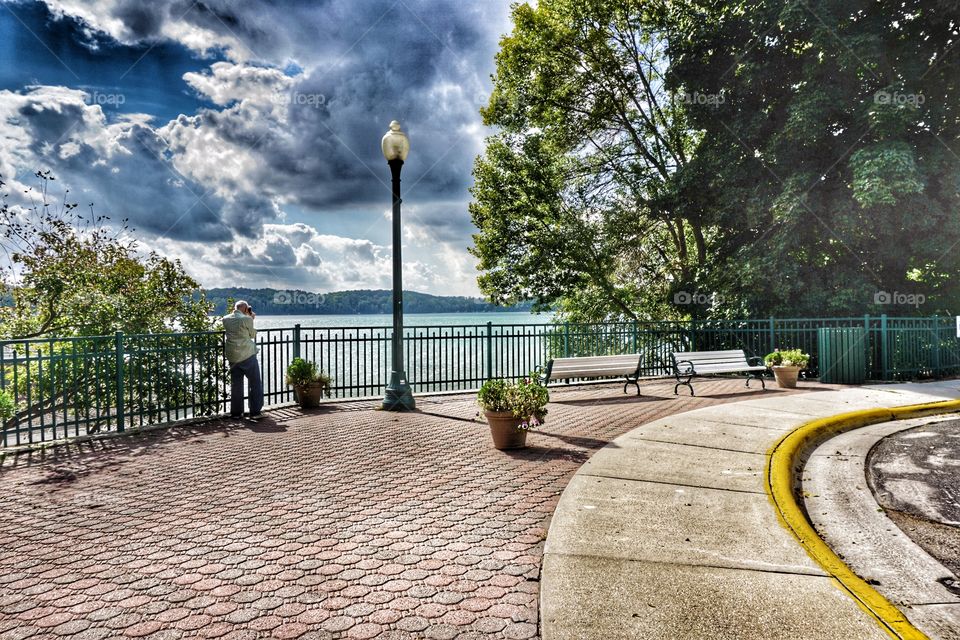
(240, 337)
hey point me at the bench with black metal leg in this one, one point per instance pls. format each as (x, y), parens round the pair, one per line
(627, 366)
(690, 364)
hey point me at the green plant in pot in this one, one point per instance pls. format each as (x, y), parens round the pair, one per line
(310, 385)
(512, 408)
(786, 365)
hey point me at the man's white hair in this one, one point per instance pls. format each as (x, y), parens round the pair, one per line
(240, 305)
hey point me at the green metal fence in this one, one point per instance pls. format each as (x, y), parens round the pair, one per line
(67, 387)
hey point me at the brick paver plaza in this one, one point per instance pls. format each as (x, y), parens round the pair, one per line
(344, 522)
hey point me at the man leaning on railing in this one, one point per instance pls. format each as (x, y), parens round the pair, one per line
(241, 352)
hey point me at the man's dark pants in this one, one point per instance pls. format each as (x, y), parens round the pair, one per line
(249, 369)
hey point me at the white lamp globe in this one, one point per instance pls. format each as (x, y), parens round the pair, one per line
(395, 144)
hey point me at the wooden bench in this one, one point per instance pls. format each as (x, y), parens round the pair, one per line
(689, 364)
(627, 366)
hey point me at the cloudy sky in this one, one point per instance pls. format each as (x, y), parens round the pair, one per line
(243, 136)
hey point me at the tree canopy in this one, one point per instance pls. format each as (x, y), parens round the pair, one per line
(575, 197)
(708, 158)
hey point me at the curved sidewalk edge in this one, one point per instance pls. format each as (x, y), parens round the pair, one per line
(781, 479)
(668, 532)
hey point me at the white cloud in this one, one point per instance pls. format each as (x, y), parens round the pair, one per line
(211, 187)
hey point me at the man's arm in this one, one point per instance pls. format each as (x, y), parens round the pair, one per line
(251, 329)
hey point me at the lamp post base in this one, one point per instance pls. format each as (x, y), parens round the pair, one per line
(399, 395)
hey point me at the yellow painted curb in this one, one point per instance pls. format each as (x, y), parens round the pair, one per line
(782, 465)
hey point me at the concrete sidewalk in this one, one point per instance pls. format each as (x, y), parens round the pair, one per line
(667, 532)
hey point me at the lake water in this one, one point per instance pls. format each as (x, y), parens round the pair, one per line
(443, 351)
(409, 320)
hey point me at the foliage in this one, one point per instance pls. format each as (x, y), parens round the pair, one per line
(575, 197)
(70, 277)
(787, 358)
(302, 372)
(71, 274)
(7, 406)
(831, 165)
(770, 158)
(525, 398)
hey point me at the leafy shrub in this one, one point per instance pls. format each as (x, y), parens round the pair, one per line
(787, 358)
(525, 398)
(302, 372)
(7, 406)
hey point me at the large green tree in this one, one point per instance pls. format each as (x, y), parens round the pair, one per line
(770, 157)
(577, 198)
(830, 159)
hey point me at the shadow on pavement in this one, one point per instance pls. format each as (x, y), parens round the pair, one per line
(579, 441)
(611, 400)
(538, 453)
(63, 463)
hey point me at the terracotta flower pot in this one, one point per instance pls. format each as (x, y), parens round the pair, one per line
(504, 430)
(786, 376)
(309, 395)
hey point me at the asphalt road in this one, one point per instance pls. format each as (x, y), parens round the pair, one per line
(915, 477)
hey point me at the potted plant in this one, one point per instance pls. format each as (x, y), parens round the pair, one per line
(786, 365)
(308, 382)
(512, 409)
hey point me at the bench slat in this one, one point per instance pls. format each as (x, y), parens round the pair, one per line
(697, 363)
(589, 373)
(595, 359)
(608, 365)
(728, 352)
(594, 366)
(729, 361)
(722, 369)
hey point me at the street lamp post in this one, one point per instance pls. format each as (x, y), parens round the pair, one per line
(398, 396)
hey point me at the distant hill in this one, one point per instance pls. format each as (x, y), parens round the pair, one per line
(297, 302)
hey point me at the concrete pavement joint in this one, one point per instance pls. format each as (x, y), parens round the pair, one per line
(671, 484)
(698, 565)
(699, 446)
(779, 484)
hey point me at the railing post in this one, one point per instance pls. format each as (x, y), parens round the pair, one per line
(118, 347)
(296, 340)
(636, 331)
(883, 346)
(773, 334)
(936, 346)
(566, 339)
(866, 345)
(489, 350)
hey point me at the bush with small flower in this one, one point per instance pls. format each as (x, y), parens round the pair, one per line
(525, 398)
(787, 358)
